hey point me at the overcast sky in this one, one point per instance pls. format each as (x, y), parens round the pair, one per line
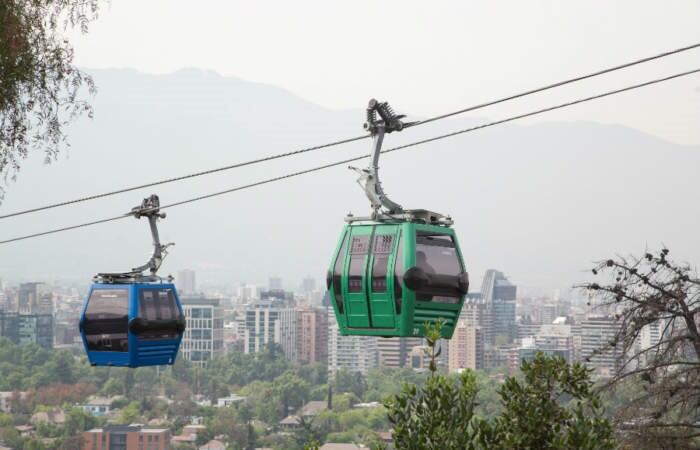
(563, 180)
(426, 57)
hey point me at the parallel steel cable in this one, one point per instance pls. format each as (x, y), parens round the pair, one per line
(184, 177)
(349, 160)
(352, 139)
(558, 84)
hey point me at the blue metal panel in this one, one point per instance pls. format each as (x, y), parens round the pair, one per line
(141, 352)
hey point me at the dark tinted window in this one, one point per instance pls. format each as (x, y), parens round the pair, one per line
(436, 254)
(106, 322)
(359, 246)
(338, 273)
(156, 306)
(382, 252)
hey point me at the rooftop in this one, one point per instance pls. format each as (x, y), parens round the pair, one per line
(200, 301)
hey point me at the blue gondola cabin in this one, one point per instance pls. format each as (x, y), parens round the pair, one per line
(132, 325)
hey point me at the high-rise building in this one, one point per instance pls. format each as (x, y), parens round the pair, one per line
(597, 333)
(353, 353)
(499, 294)
(466, 348)
(547, 313)
(204, 334)
(270, 322)
(186, 282)
(25, 329)
(396, 352)
(551, 339)
(477, 312)
(35, 298)
(122, 437)
(312, 335)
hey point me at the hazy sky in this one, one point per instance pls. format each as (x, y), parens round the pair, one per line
(555, 193)
(426, 57)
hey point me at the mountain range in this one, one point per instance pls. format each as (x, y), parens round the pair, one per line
(540, 201)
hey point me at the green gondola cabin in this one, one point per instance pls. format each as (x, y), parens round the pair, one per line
(389, 279)
(398, 269)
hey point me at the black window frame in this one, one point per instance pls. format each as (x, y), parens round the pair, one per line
(381, 251)
(357, 266)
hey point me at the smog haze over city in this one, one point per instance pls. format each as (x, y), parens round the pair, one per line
(541, 198)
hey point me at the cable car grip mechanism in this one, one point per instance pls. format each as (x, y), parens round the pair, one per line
(387, 122)
(149, 208)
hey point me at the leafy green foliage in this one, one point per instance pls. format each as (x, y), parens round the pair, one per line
(40, 87)
(437, 415)
(552, 407)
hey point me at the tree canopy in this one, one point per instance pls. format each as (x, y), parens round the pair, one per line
(41, 90)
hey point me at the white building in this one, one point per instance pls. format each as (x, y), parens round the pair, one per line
(204, 334)
(353, 353)
(231, 400)
(597, 333)
(270, 322)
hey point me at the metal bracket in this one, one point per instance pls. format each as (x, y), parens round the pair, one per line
(368, 180)
(150, 208)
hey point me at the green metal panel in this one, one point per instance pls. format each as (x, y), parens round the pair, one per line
(381, 291)
(354, 279)
(362, 310)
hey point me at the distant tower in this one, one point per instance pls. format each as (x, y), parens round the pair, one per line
(186, 282)
(466, 348)
(35, 298)
(499, 295)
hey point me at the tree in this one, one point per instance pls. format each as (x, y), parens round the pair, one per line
(437, 415)
(40, 88)
(291, 391)
(354, 382)
(553, 407)
(130, 413)
(655, 297)
(78, 421)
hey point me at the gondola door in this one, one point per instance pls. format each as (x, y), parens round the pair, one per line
(381, 275)
(355, 295)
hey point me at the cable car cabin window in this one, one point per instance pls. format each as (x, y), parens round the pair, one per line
(158, 310)
(382, 251)
(436, 255)
(337, 275)
(106, 323)
(359, 246)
